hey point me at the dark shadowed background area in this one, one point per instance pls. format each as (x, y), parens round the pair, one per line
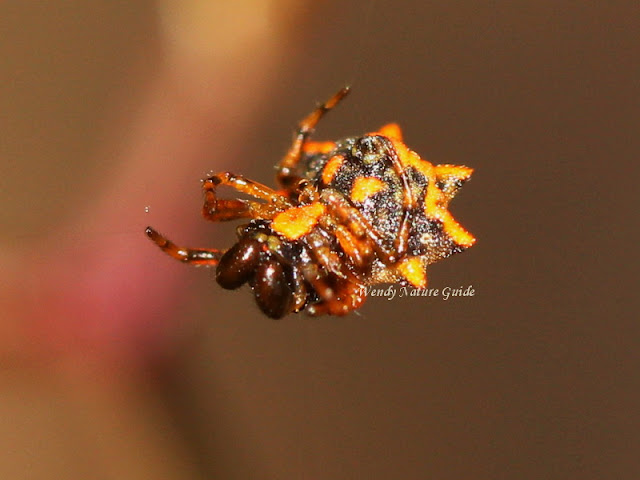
(118, 362)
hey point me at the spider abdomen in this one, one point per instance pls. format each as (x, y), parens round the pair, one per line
(362, 171)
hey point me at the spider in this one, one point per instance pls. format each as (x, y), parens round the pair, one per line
(349, 214)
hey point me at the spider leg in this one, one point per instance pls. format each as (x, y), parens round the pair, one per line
(356, 223)
(358, 250)
(287, 175)
(317, 260)
(218, 209)
(408, 202)
(339, 290)
(300, 293)
(350, 296)
(195, 256)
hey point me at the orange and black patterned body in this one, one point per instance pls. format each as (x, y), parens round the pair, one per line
(400, 195)
(359, 211)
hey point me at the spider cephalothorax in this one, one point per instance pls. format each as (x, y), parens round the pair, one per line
(356, 212)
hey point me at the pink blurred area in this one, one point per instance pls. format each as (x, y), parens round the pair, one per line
(150, 109)
(110, 117)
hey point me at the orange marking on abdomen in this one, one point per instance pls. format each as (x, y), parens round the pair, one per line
(409, 158)
(412, 269)
(331, 168)
(318, 147)
(390, 130)
(453, 172)
(455, 231)
(435, 208)
(364, 187)
(298, 221)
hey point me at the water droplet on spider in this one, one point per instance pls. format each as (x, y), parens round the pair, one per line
(147, 209)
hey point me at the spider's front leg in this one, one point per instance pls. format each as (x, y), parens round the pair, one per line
(288, 175)
(219, 209)
(208, 257)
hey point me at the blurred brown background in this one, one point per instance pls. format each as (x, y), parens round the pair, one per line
(120, 363)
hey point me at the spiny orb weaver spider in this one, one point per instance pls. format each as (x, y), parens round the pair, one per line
(351, 213)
